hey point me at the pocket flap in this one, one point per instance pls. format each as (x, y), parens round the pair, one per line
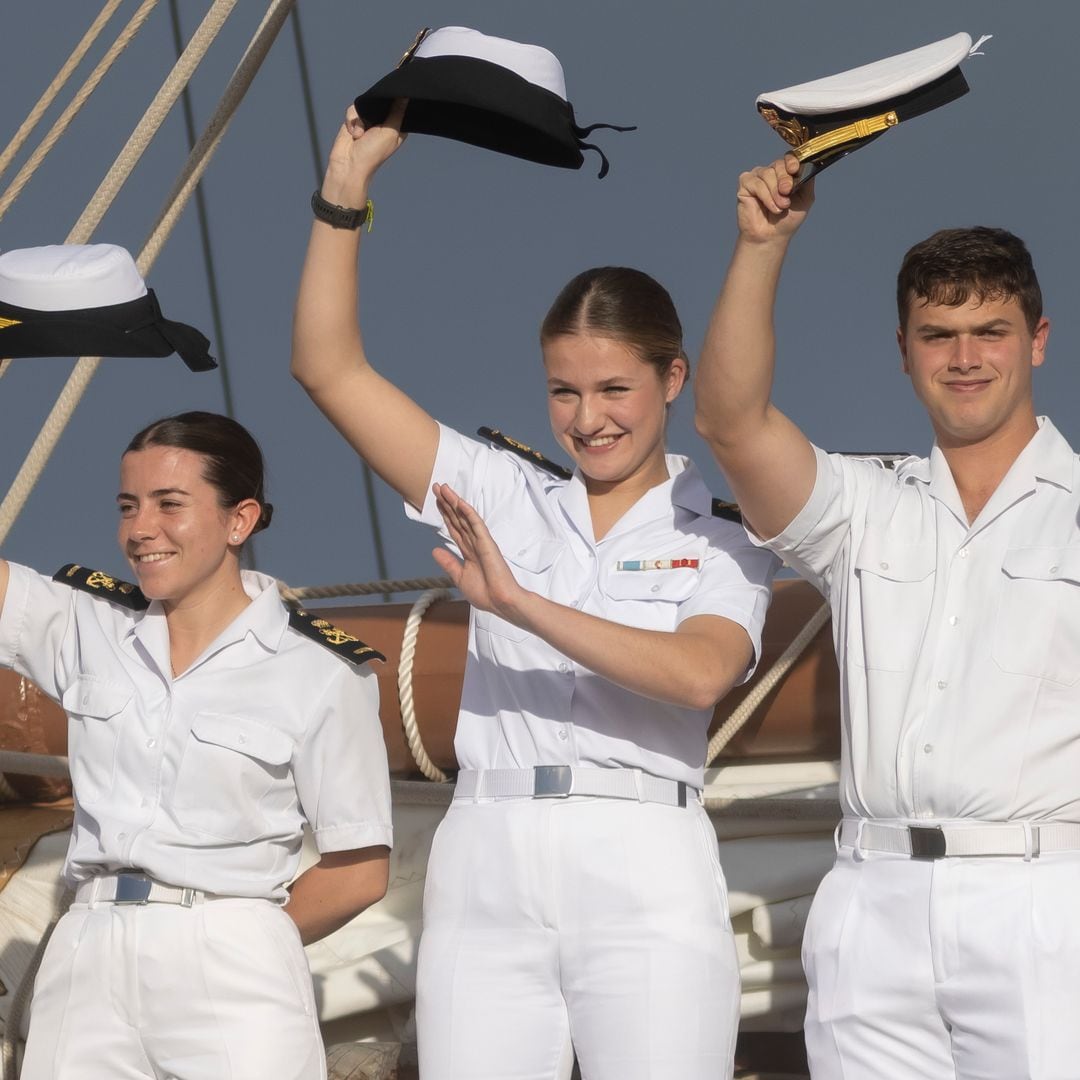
(895, 561)
(673, 585)
(1043, 563)
(535, 556)
(244, 735)
(90, 696)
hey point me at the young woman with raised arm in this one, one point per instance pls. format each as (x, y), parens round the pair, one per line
(574, 903)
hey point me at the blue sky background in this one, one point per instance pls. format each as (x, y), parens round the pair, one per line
(469, 247)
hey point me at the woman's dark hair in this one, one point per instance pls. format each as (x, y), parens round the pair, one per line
(954, 265)
(623, 304)
(233, 462)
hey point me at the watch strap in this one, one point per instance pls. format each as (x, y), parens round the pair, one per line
(341, 217)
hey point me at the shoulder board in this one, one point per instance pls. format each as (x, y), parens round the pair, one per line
(494, 435)
(729, 511)
(333, 637)
(99, 584)
(890, 459)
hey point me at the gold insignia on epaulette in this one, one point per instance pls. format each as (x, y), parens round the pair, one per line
(5, 323)
(334, 634)
(408, 54)
(102, 585)
(98, 580)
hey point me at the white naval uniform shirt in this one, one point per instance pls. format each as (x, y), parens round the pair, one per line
(958, 644)
(524, 703)
(204, 780)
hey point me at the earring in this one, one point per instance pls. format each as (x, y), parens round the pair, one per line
(235, 538)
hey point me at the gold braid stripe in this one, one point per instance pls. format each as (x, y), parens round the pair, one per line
(870, 125)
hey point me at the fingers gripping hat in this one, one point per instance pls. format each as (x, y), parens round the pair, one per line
(829, 118)
(486, 91)
(87, 300)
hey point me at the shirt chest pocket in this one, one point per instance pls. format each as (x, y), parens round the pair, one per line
(95, 708)
(1037, 623)
(649, 598)
(531, 565)
(896, 591)
(234, 778)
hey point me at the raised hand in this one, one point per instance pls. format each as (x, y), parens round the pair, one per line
(357, 154)
(768, 210)
(481, 574)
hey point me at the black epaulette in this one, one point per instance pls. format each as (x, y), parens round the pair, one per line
(333, 637)
(729, 511)
(495, 436)
(890, 459)
(99, 584)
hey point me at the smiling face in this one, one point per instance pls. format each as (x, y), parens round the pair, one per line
(971, 366)
(173, 530)
(608, 409)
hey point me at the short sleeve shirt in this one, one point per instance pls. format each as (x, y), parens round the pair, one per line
(524, 703)
(958, 643)
(204, 780)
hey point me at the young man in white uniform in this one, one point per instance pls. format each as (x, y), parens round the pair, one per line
(944, 943)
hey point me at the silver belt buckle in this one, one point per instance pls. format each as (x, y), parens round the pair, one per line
(132, 889)
(552, 781)
(927, 841)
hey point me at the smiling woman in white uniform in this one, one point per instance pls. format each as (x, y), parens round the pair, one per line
(574, 902)
(205, 729)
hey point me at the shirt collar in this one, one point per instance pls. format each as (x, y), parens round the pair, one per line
(1048, 457)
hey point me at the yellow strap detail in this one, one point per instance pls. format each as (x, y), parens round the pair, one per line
(870, 125)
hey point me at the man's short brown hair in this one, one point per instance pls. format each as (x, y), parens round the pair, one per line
(954, 265)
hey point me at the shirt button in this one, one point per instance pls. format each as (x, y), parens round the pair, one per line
(928, 748)
(941, 684)
(574, 603)
(121, 836)
(151, 743)
(963, 553)
(563, 735)
(1053, 569)
(656, 588)
(241, 738)
(564, 667)
(884, 566)
(954, 619)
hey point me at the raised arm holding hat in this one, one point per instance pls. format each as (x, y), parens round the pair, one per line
(944, 943)
(612, 606)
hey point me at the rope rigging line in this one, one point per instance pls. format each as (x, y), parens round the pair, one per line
(63, 121)
(318, 161)
(190, 175)
(33, 118)
(750, 704)
(360, 588)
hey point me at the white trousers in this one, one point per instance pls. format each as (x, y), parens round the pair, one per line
(595, 926)
(957, 969)
(218, 991)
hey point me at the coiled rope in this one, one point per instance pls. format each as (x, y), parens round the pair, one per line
(752, 702)
(196, 164)
(405, 687)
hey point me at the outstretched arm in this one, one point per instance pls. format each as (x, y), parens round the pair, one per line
(393, 434)
(336, 889)
(767, 460)
(693, 667)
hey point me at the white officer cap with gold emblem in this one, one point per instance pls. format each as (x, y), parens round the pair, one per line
(829, 118)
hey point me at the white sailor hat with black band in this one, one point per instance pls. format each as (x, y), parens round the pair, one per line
(487, 91)
(829, 118)
(87, 300)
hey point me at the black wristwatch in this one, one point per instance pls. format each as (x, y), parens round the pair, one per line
(341, 217)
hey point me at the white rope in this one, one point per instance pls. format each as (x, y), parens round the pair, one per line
(198, 160)
(82, 95)
(365, 588)
(59, 82)
(405, 689)
(750, 704)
